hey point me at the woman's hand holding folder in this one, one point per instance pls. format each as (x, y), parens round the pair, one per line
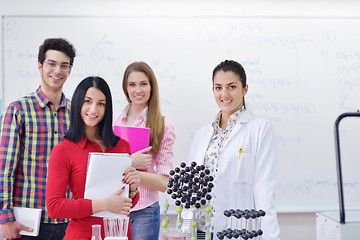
(141, 160)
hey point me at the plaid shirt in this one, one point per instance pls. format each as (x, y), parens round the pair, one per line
(30, 128)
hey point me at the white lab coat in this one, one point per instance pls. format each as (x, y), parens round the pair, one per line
(248, 182)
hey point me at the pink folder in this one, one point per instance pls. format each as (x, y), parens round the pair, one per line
(139, 138)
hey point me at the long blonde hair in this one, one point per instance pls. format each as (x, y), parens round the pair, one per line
(155, 121)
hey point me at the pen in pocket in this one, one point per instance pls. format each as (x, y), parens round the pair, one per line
(240, 152)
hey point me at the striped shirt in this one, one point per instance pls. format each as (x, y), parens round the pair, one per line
(30, 128)
(162, 161)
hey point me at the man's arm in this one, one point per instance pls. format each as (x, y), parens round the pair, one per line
(9, 156)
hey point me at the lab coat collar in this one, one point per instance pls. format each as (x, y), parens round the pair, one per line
(209, 131)
(234, 117)
(241, 121)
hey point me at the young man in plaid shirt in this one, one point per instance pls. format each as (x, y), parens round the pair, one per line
(30, 128)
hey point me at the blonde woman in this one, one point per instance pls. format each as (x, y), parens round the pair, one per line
(141, 90)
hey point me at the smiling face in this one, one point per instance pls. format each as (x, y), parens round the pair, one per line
(53, 78)
(138, 89)
(228, 92)
(93, 108)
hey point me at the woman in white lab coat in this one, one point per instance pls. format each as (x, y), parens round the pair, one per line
(240, 151)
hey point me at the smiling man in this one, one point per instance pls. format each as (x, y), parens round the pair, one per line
(30, 128)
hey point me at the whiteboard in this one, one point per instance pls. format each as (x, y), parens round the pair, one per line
(302, 74)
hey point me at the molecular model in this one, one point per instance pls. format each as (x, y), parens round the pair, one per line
(190, 187)
(243, 224)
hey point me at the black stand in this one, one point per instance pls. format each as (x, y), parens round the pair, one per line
(338, 162)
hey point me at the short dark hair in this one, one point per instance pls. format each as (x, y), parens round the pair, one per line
(233, 66)
(58, 44)
(76, 130)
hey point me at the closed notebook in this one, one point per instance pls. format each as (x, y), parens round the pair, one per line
(138, 138)
(29, 217)
(104, 177)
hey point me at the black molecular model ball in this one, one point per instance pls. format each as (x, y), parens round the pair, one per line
(190, 185)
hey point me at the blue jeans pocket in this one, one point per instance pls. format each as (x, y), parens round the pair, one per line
(145, 223)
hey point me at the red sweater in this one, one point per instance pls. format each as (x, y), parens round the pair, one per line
(67, 167)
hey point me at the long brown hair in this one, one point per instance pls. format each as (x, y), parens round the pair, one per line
(155, 121)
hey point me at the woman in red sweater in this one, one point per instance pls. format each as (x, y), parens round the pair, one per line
(90, 131)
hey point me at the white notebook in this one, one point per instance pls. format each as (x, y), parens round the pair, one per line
(29, 217)
(104, 177)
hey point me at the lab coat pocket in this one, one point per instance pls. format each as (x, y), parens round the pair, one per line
(245, 168)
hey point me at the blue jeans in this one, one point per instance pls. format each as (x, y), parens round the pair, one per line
(145, 223)
(49, 231)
